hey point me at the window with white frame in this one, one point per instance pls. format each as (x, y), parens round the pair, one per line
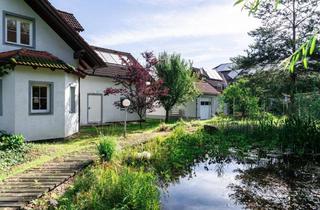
(41, 94)
(18, 31)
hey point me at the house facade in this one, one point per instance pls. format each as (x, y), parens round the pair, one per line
(95, 108)
(43, 62)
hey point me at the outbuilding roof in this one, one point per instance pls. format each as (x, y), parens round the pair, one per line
(35, 59)
(206, 88)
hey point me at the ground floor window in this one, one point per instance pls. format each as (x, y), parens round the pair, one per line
(72, 99)
(41, 98)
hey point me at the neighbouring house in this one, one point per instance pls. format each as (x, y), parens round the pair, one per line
(94, 106)
(51, 73)
(203, 107)
(213, 77)
(227, 72)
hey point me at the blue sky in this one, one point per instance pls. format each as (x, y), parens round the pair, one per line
(207, 32)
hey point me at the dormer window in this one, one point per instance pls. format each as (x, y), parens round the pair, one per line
(19, 31)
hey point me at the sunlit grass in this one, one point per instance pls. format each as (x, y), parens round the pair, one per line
(42, 152)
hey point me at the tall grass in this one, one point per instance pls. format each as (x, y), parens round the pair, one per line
(106, 148)
(112, 188)
(294, 134)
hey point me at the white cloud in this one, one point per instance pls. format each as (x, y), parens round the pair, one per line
(197, 22)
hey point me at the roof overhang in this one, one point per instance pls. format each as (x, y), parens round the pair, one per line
(48, 13)
(35, 59)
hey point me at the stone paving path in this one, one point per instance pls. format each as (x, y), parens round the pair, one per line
(17, 191)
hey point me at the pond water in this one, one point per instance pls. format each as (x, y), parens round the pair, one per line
(232, 183)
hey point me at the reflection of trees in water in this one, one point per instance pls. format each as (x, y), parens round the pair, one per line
(173, 176)
(284, 185)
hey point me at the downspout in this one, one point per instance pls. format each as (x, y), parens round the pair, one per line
(79, 102)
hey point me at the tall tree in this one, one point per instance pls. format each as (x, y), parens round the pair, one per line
(283, 30)
(139, 86)
(177, 77)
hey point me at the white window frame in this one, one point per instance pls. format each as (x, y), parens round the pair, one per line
(18, 29)
(49, 98)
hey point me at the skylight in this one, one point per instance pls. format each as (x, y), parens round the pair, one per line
(112, 58)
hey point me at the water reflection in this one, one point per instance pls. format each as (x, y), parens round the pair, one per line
(233, 183)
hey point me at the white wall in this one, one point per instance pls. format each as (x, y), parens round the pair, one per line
(16, 118)
(37, 127)
(8, 103)
(71, 119)
(46, 38)
(190, 109)
(92, 84)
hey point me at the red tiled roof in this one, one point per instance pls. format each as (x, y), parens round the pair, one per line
(206, 88)
(59, 24)
(71, 20)
(35, 59)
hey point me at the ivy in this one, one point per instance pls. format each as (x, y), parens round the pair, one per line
(5, 68)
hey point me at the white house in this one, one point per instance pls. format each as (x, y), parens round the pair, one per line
(46, 63)
(95, 108)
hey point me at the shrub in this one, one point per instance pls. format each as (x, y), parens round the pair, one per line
(11, 142)
(113, 188)
(106, 148)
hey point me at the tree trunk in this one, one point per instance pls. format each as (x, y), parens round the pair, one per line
(293, 75)
(167, 116)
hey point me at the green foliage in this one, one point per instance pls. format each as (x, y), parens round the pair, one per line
(176, 155)
(253, 5)
(11, 142)
(112, 188)
(308, 106)
(176, 74)
(239, 96)
(280, 34)
(106, 148)
(294, 134)
(12, 150)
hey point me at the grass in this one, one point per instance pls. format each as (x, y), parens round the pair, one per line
(88, 137)
(117, 184)
(131, 179)
(109, 186)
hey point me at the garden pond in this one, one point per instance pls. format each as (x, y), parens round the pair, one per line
(271, 182)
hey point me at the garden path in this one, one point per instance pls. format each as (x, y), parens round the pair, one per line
(18, 191)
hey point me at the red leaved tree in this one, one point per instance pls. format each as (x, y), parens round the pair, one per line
(139, 86)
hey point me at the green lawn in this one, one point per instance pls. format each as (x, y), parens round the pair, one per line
(40, 153)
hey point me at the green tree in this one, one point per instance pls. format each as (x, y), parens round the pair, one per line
(176, 74)
(241, 98)
(282, 31)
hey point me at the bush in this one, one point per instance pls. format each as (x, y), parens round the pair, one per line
(12, 150)
(113, 188)
(106, 148)
(11, 142)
